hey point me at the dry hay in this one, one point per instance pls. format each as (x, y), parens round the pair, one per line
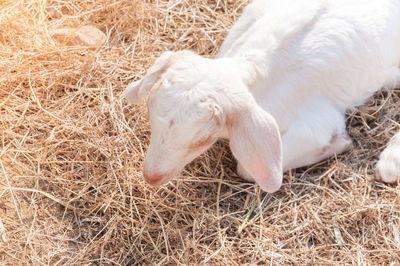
(71, 150)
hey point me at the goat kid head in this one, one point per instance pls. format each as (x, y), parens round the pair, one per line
(191, 102)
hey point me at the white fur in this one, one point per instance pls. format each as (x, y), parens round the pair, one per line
(389, 161)
(279, 88)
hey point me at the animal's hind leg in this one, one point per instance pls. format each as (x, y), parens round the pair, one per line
(310, 139)
(388, 167)
(303, 146)
(317, 134)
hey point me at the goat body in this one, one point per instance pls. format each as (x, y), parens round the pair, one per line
(278, 89)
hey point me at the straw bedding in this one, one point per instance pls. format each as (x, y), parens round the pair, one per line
(71, 150)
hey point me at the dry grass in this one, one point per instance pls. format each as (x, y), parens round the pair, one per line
(71, 150)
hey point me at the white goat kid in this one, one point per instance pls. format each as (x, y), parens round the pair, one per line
(279, 88)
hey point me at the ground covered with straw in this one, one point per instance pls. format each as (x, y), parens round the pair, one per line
(71, 151)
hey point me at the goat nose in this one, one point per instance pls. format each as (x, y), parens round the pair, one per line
(152, 178)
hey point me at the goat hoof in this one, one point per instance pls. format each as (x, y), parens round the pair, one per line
(388, 167)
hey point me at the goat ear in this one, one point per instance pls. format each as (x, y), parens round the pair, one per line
(137, 91)
(256, 143)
